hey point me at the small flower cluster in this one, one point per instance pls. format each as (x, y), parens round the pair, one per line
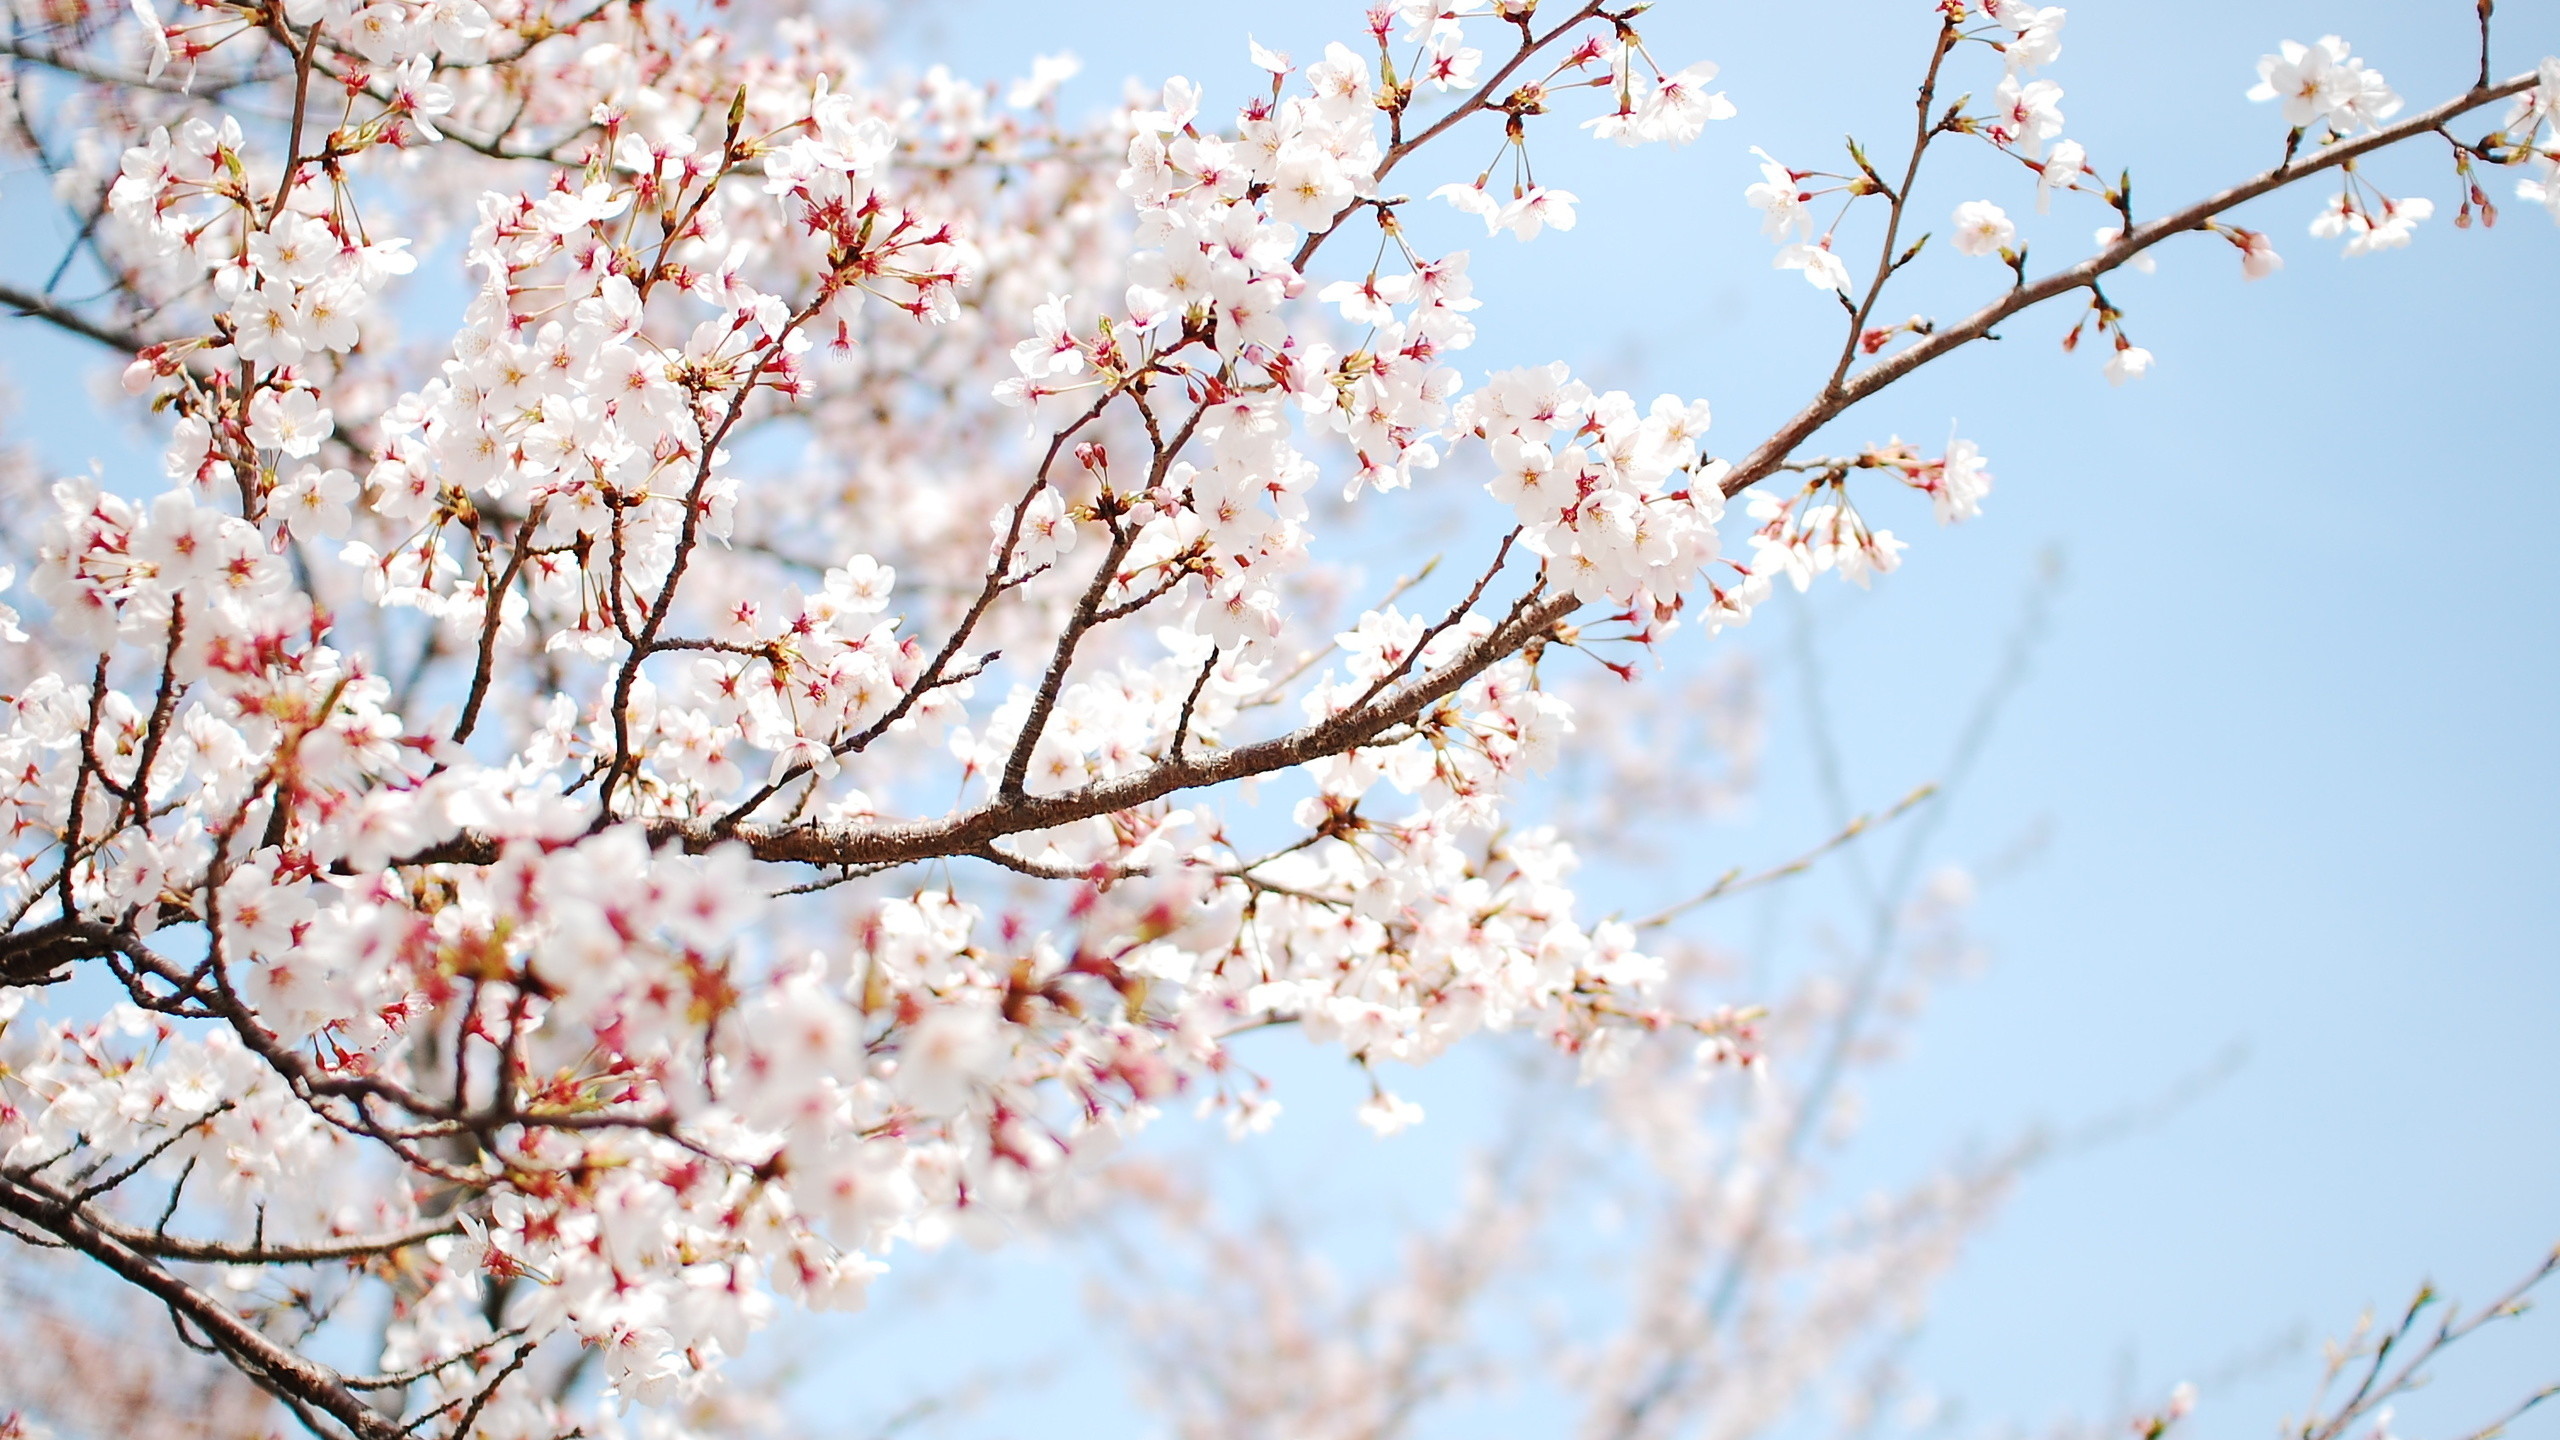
(1617, 500)
(1817, 529)
(1650, 105)
(2320, 84)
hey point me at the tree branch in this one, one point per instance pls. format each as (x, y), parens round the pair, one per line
(28, 305)
(1836, 399)
(274, 1368)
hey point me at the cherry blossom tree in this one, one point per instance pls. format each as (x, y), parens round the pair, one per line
(729, 759)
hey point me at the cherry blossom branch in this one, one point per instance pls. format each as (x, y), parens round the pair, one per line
(2413, 1348)
(301, 98)
(416, 1373)
(905, 842)
(1017, 763)
(1898, 201)
(2486, 7)
(159, 1246)
(1477, 100)
(523, 1043)
(492, 146)
(1734, 881)
(281, 1371)
(938, 671)
(480, 1400)
(1089, 611)
(1885, 902)
(1839, 395)
(2515, 1412)
(156, 730)
(689, 530)
(1465, 606)
(491, 617)
(1038, 870)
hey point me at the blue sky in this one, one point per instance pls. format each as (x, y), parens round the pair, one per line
(2290, 736)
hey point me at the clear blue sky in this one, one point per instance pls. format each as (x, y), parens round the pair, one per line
(2291, 735)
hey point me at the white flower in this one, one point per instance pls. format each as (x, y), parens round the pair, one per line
(2364, 231)
(1680, 107)
(2029, 114)
(1341, 82)
(2036, 32)
(292, 421)
(184, 542)
(1822, 269)
(1386, 1114)
(317, 501)
(1178, 107)
(2129, 362)
(862, 585)
(643, 1366)
(2317, 82)
(381, 33)
(850, 138)
(1052, 348)
(266, 327)
(1983, 228)
(1779, 199)
(1309, 187)
(2061, 171)
(1964, 478)
(1448, 65)
(1048, 72)
(418, 96)
(2545, 191)
(156, 35)
(1538, 208)
(1372, 300)
(325, 315)
(948, 1056)
(296, 249)
(2538, 106)
(1471, 200)
(1048, 532)
(2258, 257)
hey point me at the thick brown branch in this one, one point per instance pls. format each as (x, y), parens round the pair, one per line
(970, 832)
(44, 954)
(275, 1368)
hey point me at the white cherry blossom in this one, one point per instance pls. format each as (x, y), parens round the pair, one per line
(2320, 83)
(1983, 228)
